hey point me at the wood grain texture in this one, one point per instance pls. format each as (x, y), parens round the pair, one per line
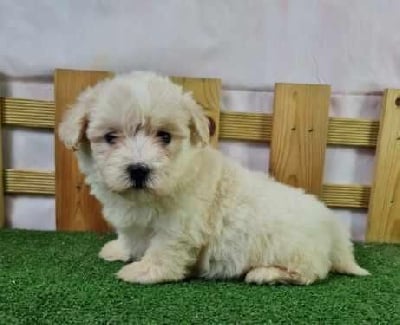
(240, 126)
(2, 207)
(76, 209)
(43, 183)
(384, 208)
(352, 132)
(207, 93)
(299, 135)
(257, 127)
(346, 195)
(29, 182)
(28, 113)
(245, 126)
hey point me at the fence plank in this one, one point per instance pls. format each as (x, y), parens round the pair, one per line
(19, 181)
(241, 126)
(43, 183)
(29, 113)
(76, 209)
(299, 135)
(207, 93)
(384, 208)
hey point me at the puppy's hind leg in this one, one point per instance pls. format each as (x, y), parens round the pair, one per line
(275, 275)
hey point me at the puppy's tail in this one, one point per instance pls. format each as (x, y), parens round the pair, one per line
(343, 260)
(349, 267)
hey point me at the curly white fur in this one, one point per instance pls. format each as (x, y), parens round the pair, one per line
(200, 213)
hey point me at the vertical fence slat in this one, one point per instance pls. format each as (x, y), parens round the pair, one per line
(384, 207)
(207, 93)
(299, 135)
(76, 209)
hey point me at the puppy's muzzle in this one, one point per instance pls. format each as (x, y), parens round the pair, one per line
(139, 175)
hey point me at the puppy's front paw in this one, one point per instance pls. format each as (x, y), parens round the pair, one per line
(113, 251)
(146, 273)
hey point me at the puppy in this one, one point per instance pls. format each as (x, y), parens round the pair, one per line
(179, 207)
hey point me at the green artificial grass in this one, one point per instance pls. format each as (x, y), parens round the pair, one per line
(56, 278)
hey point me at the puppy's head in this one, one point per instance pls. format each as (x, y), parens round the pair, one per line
(142, 129)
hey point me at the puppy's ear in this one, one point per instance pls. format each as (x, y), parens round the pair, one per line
(199, 123)
(72, 128)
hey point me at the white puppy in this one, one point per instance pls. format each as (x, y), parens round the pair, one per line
(182, 209)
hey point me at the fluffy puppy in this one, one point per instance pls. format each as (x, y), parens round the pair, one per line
(179, 207)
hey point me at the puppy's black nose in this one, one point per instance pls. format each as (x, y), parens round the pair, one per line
(139, 174)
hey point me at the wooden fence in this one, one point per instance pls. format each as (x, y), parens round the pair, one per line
(298, 132)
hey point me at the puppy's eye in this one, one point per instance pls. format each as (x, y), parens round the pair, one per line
(110, 137)
(165, 137)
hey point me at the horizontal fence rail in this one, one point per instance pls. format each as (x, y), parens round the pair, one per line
(43, 183)
(242, 126)
(29, 182)
(27, 112)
